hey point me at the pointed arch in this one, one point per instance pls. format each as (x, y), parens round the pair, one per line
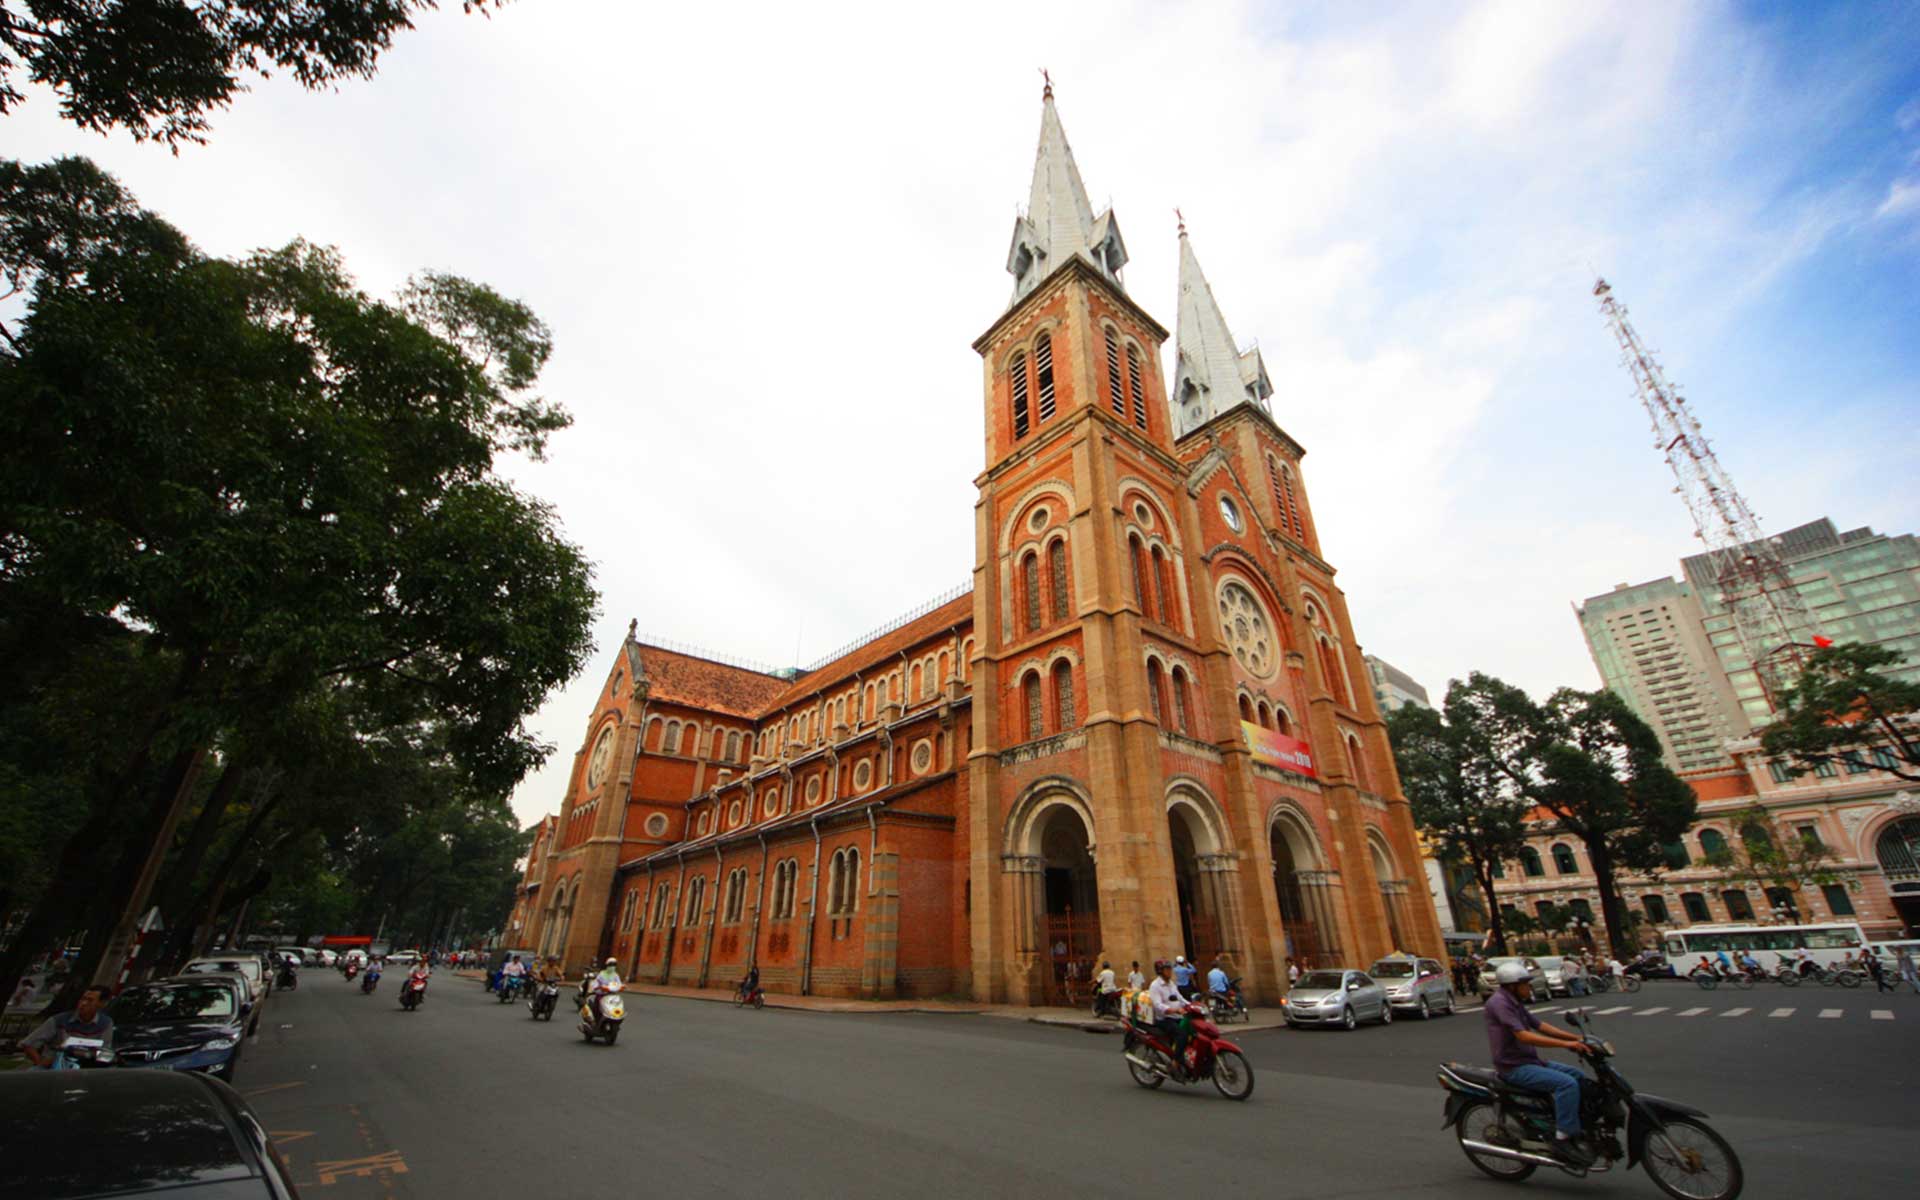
(1181, 701)
(1155, 690)
(1065, 714)
(1138, 392)
(1043, 375)
(1057, 577)
(1033, 712)
(1115, 393)
(1017, 375)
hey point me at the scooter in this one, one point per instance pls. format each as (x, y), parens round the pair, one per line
(1230, 1007)
(1206, 1055)
(288, 979)
(756, 998)
(350, 970)
(601, 1013)
(367, 984)
(1508, 1131)
(412, 992)
(510, 988)
(544, 1001)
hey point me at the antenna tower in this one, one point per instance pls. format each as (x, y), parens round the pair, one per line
(1771, 619)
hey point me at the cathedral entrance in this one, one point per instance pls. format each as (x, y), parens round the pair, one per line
(1070, 917)
(1201, 933)
(1304, 891)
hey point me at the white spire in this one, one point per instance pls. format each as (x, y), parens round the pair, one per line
(1210, 375)
(1059, 221)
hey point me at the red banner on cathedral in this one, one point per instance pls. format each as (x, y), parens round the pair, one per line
(1276, 749)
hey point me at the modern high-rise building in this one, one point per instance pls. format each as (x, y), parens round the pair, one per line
(1393, 688)
(1650, 644)
(1861, 586)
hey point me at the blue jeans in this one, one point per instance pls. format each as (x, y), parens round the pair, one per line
(1562, 1082)
(1577, 986)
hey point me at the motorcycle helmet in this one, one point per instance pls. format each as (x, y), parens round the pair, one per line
(612, 962)
(1159, 965)
(1511, 972)
(1179, 960)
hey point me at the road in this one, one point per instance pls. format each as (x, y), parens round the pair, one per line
(471, 1099)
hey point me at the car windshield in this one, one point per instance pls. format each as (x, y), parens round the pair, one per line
(187, 1002)
(1393, 969)
(215, 968)
(1549, 964)
(1320, 979)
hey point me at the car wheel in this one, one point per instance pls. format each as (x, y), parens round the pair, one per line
(1347, 1019)
(1452, 1002)
(1426, 1010)
(1386, 1013)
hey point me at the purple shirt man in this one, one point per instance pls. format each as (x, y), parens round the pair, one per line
(1506, 1016)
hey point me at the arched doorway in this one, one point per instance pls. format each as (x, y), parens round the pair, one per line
(1898, 849)
(1393, 892)
(1069, 916)
(1201, 894)
(1304, 891)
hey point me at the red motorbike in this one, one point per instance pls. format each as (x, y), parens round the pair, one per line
(1206, 1055)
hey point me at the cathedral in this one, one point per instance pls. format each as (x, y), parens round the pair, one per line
(1145, 730)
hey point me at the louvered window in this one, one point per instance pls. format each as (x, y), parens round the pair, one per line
(1153, 690)
(1114, 395)
(1036, 716)
(1160, 585)
(1057, 568)
(1180, 700)
(1030, 584)
(1293, 505)
(1043, 374)
(1018, 369)
(1279, 494)
(1063, 695)
(1139, 578)
(1133, 385)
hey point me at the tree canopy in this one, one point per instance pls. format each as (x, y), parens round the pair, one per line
(1845, 705)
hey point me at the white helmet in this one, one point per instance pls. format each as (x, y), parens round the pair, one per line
(1179, 958)
(612, 962)
(1511, 972)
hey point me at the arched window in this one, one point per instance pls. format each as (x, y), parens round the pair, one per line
(1293, 503)
(1180, 708)
(843, 887)
(1758, 840)
(1330, 668)
(1036, 715)
(736, 896)
(1279, 494)
(1357, 764)
(1140, 595)
(1246, 710)
(1898, 848)
(1281, 721)
(866, 714)
(1017, 369)
(733, 747)
(785, 878)
(1563, 860)
(662, 905)
(1264, 715)
(1694, 904)
(671, 743)
(1713, 843)
(1656, 909)
(1114, 395)
(1153, 691)
(1133, 385)
(1030, 591)
(917, 684)
(1161, 586)
(1530, 861)
(1063, 695)
(696, 899)
(1043, 375)
(1739, 907)
(1057, 570)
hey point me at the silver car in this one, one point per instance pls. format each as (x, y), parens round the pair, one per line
(1418, 985)
(1343, 998)
(248, 965)
(1541, 984)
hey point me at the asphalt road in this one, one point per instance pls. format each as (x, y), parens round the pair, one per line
(470, 1099)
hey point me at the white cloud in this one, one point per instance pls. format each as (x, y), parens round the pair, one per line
(1903, 198)
(765, 240)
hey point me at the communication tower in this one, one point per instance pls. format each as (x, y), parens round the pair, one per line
(1770, 617)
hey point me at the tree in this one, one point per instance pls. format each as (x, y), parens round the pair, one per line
(1594, 767)
(1769, 858)
(1471, 816)
(156, 67)
(1844, 707)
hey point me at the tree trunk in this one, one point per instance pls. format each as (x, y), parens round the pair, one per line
(1483, 875)
(176, 894)
(217, 902)
(1612, 910)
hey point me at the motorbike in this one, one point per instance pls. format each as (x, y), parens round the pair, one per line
(368, 982)
(756, 998)
(510, 988)
(1206, 1056)
(288, 979)
(544, 1001)
(350, 970)
(1107, 1004)
(412, 992)
(601, 1013)
(82, 1054)
(1508, 1132)
(1229, 1007)
(1709, 978)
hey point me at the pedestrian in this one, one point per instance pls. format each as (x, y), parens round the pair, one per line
(1136, 982)
(1575, 973)
(1875, 969)
(1293, 972)
(1909, 974)
(42, 1046)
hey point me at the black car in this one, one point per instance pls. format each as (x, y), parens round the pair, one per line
(180, 1025)
(113, 1133)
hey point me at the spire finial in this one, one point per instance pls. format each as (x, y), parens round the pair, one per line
(632, 626)
(1182, 220)
(1046, 91)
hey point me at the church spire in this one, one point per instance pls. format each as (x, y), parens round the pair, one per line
(1059, 222)
(1210, 375)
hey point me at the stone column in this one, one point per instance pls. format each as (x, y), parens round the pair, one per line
(878, 971)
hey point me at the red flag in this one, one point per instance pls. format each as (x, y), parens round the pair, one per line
(1822, 642)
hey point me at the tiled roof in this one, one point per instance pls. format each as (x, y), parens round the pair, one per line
(888, 646)
(702, 683)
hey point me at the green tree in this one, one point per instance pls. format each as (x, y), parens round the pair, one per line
(1844, 706)
(1471, 815)
(156, 68)
(1773, 860)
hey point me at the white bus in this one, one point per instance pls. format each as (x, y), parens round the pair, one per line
(1829, 944)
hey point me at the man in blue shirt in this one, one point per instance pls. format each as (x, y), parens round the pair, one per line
(1217, 981)
(1182, 974)
(1512, 1034)
(42, 1047)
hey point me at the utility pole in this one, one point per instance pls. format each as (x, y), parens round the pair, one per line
(1771, 619)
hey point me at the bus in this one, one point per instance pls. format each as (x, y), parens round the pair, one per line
(1828, 944)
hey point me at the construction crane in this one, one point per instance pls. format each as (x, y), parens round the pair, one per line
(1771, 619)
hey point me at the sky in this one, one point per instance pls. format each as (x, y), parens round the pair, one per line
(765, 237)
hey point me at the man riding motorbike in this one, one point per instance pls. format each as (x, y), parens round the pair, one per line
(1169, 1008)
(751, 983)
(1512, 1033)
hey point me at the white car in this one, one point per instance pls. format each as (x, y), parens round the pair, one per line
(403, 958)
(246, 965)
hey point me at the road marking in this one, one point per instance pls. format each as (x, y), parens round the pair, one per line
(1610, 1011)
(1830, 1014)
(366, 1168)
(1549, 1008)
(1883, 1014)
(1691, 1012)
(287, 1137)
(1783, 1012)
(1647, 1012)
(1736, 1012)
(276, 1087)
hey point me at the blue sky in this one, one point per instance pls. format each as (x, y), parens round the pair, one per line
(766, 236)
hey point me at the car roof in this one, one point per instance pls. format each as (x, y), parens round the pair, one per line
(164, 1129)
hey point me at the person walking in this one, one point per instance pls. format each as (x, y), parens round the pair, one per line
(1136, 982)
(1909, 973)
(1875, 968)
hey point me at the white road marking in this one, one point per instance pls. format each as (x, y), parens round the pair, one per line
(1647, 1012)
(1549, 1008)
(1736, 1012)
(1616, 1008)
(1691, 1012)
(1783, 1012)
(1883, 1014)
(1832, 1014)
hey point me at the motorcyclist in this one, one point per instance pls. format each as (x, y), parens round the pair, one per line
(751, 983)
(1512, 1034)
(1169, 1008)
(1182, 973)
(1725, 962)
(596, 986)
(512, 974)
(419, 974)
(372, 979)
(42, 1046)
(1218, 983)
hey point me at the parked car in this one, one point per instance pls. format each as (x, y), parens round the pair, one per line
(1343, 998)
(117, 1133)
(403, 958)
(1554, 968)
(1417, 985)
(248, 965)
(325, 957)
(193, 1024)
(1541, 984)
(247, 999)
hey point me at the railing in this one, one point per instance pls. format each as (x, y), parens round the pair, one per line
(693, 651)
(913, 614)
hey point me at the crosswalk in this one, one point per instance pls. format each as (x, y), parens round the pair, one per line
(1783, 1013)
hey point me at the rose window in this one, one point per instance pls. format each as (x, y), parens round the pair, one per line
(1250, 635)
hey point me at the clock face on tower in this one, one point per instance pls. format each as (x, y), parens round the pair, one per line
(601, 756)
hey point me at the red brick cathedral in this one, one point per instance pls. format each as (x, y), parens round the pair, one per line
(1145, 730)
